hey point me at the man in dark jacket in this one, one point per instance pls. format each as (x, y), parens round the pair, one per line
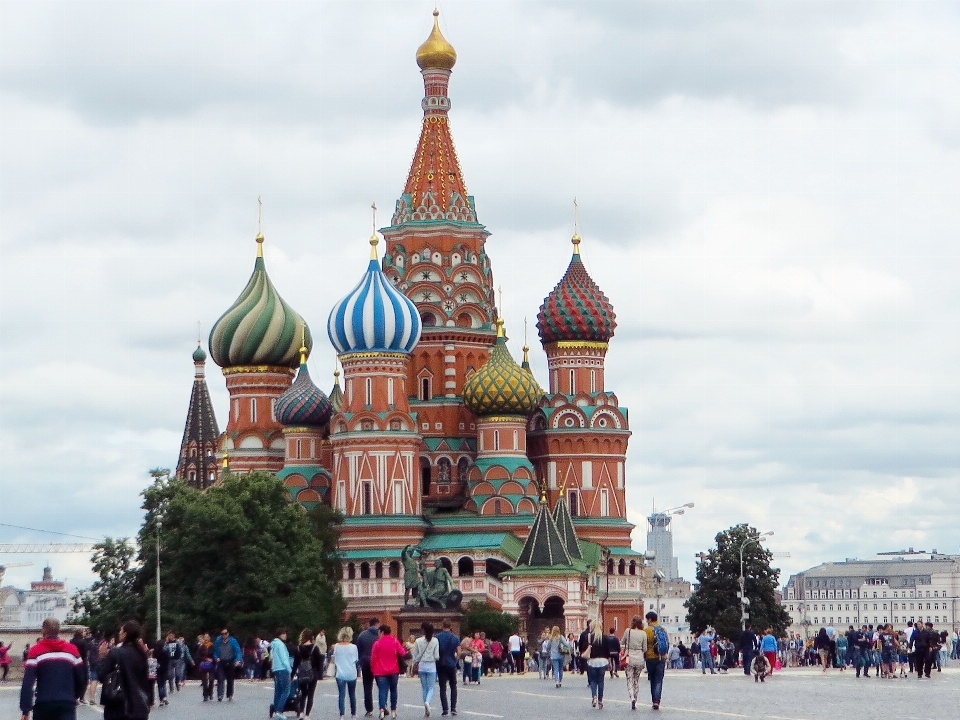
(364, 643)
(586, 637)
(613, 646)
(54, 665)
(926, 642)
(447, 667)
(747, 647)
(227, 657)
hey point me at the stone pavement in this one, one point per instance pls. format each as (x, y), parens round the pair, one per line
(793, 694)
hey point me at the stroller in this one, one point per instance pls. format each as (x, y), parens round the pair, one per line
(293, 700)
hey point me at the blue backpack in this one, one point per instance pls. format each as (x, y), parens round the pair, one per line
(663, 640)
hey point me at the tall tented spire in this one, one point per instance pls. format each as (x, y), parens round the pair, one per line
(336, 394)
(197, 464)
(435, 188)
(561, 516)
(544, 546)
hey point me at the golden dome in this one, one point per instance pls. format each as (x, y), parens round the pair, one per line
(436, 52)
(501, 387)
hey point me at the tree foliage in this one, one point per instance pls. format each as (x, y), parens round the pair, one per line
(481, 617)
(240, 554)
(115, 596)
(715, 602)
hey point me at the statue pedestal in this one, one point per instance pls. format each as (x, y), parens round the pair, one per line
(410, 617)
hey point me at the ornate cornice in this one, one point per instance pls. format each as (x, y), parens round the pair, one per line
(263, 369)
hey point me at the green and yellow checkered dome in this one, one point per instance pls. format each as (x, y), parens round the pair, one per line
(501, 387)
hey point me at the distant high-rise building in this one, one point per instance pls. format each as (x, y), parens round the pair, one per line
(660, 542)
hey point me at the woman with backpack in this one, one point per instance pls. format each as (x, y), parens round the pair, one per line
(127, 695)
(426, 652)
(307, 663)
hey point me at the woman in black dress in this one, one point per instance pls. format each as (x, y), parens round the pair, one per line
(130, 658)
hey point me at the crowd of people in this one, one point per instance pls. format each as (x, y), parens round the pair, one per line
(134, 676)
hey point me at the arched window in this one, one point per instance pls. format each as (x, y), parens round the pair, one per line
(445, 562)
(465, 567)
(610, 567)
(621, 567)
(364, 571)
(463, 467)
(394, 568)
(378, 570)
(351, 571)
(633, 567)
(424, 475)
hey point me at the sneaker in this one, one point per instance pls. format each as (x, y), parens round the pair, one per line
(426, 709)
(600, 705)
(656, 706)
(453, 712)
(393, 715)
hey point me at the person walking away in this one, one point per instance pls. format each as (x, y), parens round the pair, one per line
(426, 653)
(250, 651)
(513, 643)
(748, 647)
(496, 656)
(282, 667)
(83, 647)
(365, 642)
(306, 666)
(98, 661)
(449, 645)
(706, 659)
(4, 661)
(613, 647)
(346, 661)
(205, 665)
(55, 668)
(129, 659)
(226, 656)
(408, 646)
(634, 644)
(658, 644)
(174, 653)
(321, 643)
(597, 665)
(768, 646)
(558, 649)
(163, 671)
(822, 645)
(385, 664)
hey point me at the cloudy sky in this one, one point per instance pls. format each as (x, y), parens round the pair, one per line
(768, 193)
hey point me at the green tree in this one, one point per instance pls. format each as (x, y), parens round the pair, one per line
(116, 595)
(480, 617)
(239, 554)
(716, 602)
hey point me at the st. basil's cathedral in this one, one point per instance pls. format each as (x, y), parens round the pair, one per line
(436, 437)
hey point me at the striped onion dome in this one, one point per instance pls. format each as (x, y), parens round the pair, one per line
(303, 403)
(260, 328)
(501, 387)
(374, 316)
(577, 309)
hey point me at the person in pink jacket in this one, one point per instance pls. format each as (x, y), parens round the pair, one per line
(385, 665)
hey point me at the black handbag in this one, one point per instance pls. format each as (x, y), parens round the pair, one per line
(112, 690)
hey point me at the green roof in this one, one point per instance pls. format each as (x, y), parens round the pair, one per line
(630, 552)
(371, 554)
(590, 552)
(544, 546)
(561, 516)
(507, 543)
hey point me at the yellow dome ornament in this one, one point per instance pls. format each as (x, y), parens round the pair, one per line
(501, 387)
(436, 52)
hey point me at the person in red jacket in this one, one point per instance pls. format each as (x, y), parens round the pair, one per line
(385, 664)
(54, 665)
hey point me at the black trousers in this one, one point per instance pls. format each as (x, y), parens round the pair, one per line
(225, 671)
(307, 690)
(924, 662)
(367, 674)
(447, 675)
(55, 711)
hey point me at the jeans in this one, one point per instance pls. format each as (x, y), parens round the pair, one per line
(595, 678)
(367, 685)
(447, 675)
(655, 674)
(557, 669)
(467, 672)
(387, 683)
(544, 667)
(344, 687)
(706, 661)
(747, 659)
(161, 684)
(225, 672)
(428, 681)
(281, 690)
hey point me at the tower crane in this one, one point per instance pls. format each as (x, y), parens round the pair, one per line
(3, 568)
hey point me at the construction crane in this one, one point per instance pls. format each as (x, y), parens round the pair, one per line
(3, 568)
(44, 548)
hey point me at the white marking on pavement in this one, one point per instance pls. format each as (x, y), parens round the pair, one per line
(470, 712)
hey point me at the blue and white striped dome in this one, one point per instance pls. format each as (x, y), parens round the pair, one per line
(374, 316)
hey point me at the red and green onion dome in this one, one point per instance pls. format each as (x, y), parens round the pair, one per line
(576, 309)
(501, 387)
(303, 403)
(260, 328)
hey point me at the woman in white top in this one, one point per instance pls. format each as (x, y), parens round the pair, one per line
(345, 659)
(634, 644)
(426, 652)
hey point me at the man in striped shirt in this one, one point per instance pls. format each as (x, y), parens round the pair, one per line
(55, 667)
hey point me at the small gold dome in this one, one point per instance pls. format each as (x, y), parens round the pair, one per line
(436, 52)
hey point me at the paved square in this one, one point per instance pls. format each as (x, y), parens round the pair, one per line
(795, 694)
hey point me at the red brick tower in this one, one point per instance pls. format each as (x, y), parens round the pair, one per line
(435, 255)
(374, 435)
(256, 342)
(578, 439)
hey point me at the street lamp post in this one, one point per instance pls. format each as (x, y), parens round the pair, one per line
(743, 599)
(158, 577)
(658, 576)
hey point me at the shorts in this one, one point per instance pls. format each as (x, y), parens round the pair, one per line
(888, 656)
(93, 675)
